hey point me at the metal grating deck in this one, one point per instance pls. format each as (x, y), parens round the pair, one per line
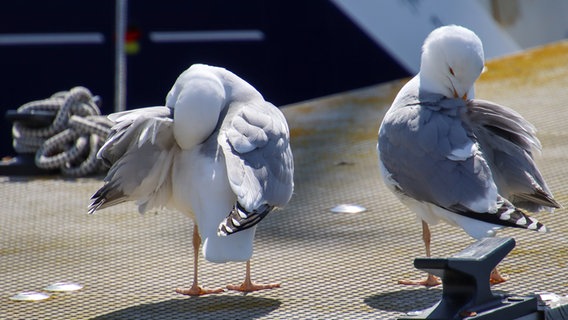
(332, 266)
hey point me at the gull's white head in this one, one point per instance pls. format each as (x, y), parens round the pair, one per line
(452, 59)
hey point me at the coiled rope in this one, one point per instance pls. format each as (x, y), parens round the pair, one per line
(71, 142)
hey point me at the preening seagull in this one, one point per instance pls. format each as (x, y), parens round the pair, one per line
(217, 151)
(452, 158)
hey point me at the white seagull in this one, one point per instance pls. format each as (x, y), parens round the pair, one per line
(217, 151)
(448, 158)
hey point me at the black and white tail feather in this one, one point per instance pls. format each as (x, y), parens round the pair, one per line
(240, 219)
(506, 215)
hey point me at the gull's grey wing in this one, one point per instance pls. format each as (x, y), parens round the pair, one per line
(139, 151)
(508, 141)
(255, 141)
(122, 134)
(433, 158)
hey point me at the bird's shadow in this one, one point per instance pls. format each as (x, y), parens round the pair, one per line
(209, 307)
(405, 300)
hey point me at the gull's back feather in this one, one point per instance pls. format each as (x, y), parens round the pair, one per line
(508, 142)
(140, 151)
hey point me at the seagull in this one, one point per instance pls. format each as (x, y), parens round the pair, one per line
(452, 158)
(217, 151)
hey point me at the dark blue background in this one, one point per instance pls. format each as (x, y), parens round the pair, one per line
(311, 49)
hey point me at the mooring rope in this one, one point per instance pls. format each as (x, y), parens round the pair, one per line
(71, 142)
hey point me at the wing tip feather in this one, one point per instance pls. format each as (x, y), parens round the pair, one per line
(240, 219)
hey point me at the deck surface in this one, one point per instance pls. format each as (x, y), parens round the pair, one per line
(331, 266)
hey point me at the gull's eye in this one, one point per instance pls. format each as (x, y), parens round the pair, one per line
(452, 71)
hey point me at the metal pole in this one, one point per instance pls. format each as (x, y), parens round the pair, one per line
(120, 56)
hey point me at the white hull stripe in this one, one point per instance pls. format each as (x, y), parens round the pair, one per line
(15, 39)
(206, 36)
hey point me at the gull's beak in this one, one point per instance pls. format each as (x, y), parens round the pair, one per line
(456, 95)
